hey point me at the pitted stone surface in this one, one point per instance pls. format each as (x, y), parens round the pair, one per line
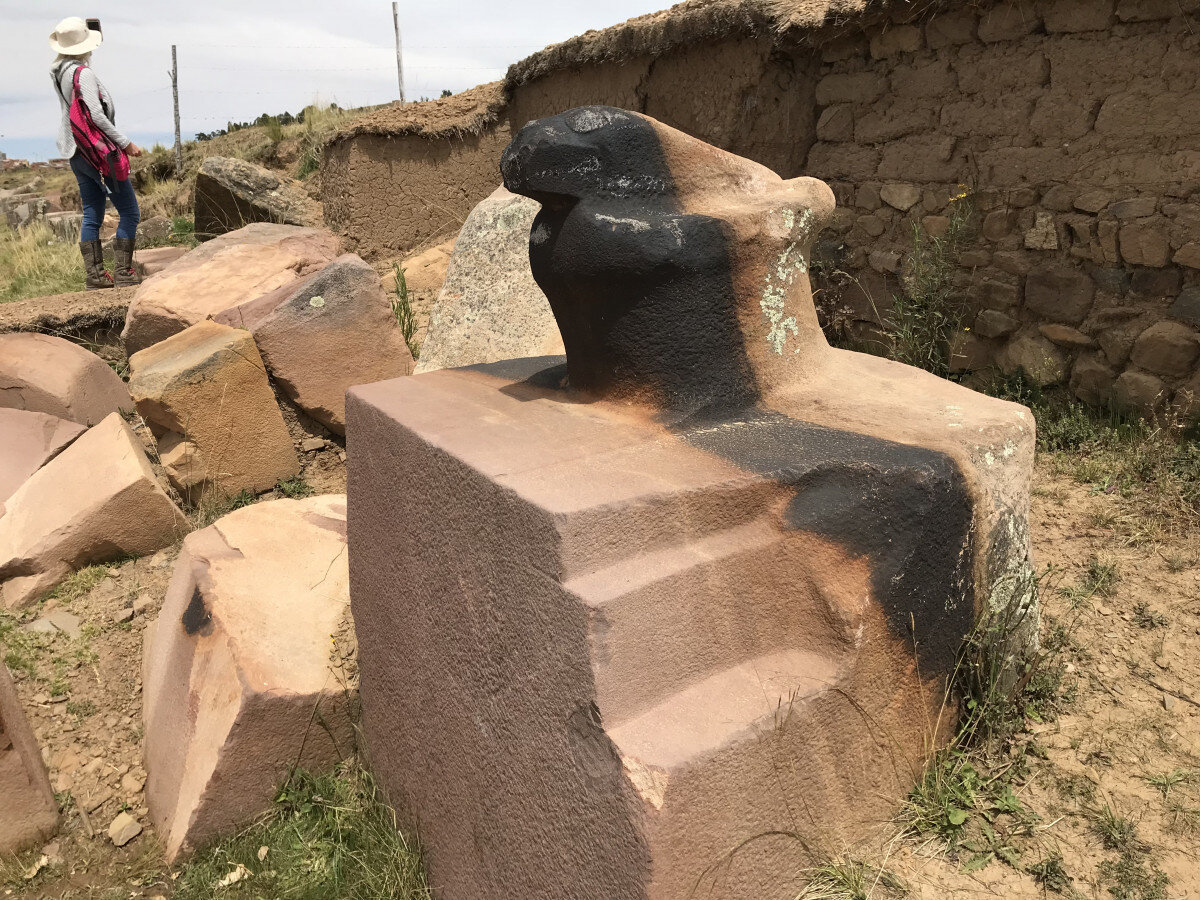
(489, 307)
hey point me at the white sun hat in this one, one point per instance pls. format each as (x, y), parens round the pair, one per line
(72, 37)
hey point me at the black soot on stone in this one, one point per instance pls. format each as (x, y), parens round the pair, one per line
(642, 291)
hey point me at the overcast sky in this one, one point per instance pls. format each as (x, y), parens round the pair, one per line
(240, 58)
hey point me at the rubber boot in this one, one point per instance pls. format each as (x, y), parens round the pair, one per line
(93, 264)
(124, 271)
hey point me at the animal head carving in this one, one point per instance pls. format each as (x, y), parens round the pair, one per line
(677, 272)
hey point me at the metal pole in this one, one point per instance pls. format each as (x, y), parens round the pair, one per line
(399, 58)
(175, 96)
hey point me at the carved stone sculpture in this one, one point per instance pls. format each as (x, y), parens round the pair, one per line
(647, 623)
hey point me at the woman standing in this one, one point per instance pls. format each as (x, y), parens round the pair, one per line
(74, 40)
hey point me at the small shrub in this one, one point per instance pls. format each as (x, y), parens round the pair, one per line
(850, 879)
(927, 316)
(295, 488)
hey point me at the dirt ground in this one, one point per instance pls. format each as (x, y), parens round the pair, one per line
(1121, 597)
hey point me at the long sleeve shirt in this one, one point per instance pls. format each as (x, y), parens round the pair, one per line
(98, 101)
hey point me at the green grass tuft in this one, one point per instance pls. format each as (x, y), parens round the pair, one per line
(329, 837)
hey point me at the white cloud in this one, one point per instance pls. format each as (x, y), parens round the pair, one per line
(240, 59)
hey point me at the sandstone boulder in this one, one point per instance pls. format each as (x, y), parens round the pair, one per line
(232, 193)
(1167, 348)
(238, 685)
(205, 394)
(490, 308)
(46, 374)
(97, 500)
(27, 441)
(233, 269)
(598, 602)
(1140, 392)
(29, 812)
(153, 260)
(336, 329)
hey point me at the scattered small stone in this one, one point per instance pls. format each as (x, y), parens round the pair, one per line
(143, 604)
(262, 853)
(311, 445)
(124, 828)
(132, 784)
(1043, 235)
(124, 615)
(238, 874)
(342, 455)
(96, 801)
(1169, 703)
(65, 622)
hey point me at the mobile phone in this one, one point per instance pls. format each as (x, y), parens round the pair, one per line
(94, 25)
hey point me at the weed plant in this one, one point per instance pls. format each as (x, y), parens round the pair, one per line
(34, 263)
(406, 319)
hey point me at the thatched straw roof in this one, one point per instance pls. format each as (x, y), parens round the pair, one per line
(462, 114)
(693, 21)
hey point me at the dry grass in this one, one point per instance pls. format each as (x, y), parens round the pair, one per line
(34, 263)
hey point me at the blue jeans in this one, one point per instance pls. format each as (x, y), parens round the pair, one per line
(93, 195)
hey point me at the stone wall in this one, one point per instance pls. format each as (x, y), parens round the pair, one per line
(1073, 124)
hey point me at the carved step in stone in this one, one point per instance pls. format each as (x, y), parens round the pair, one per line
(705, 543)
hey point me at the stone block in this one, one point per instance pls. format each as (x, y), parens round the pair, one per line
(998, 224)
(1043, 235)
(1002, 295)
(156, 259)
(836, 123)
(921, 158)
(924, 80)
(1066, 336)
(896, 40)
(204, 393)
(900, 196)
(1041, 361)
(1140, 393)
(1059, 198)
(1136, 208)
(28, 440)
(29, 813)
(1156, 283)
(1186, 307)
(1071, 16)
(991, 323)
(858, 87)
(1093, 201)
(1059, 293)
(1151, 10)
(490, 308)
(1007, 22)
(951, 28)
(98, 500)
(1092, 379)
(228, 271)
(51, 375)
(1167, 348)
(231, 193)
(333, 330)
(969, 353)
(1188, 255)
(238, 686)
(640, 600)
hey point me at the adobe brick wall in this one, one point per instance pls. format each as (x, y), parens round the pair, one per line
(1076, 123)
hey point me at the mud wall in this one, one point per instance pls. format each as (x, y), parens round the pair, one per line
(1073, 125)
(391, 195)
